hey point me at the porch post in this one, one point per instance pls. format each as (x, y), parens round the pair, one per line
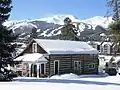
(22, 68)
(15, 68)
(38, 70)
(30, 70)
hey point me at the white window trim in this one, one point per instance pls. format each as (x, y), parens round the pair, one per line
(91, 64)
(34, 50)
(58, 66)
(77, 63)
(44, 68)
(106, 48)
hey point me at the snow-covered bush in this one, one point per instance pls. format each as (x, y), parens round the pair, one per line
(111, 71)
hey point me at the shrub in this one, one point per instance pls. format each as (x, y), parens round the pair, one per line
(13, 74)
(2, 77)
(111, 71)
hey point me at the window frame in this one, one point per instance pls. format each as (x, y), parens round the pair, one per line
(77, 65)
(106, 48)
(91, 64)
(58, 65)
(34, 47)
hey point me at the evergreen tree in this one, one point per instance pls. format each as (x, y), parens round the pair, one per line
(115, 7)
(34, 33)
(6, 37)
(114, 27)
(68, 31)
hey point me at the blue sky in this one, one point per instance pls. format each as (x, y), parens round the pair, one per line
(32, 9)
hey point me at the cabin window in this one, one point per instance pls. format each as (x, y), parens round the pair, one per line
(91, 66)
(77, 64)
(106, 49)
(34, 47)
(56, 67)
(98, 47)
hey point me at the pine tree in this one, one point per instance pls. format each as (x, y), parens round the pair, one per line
(68, 31)
(114, 27)
(114, 5)
(34, 33)
(6, 37)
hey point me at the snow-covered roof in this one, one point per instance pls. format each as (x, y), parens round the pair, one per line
(66, 47)
(106, 57)
(98, 43)
(117, 59)
(102, 34)
(33, 57)
(94, 42)
(107, 43)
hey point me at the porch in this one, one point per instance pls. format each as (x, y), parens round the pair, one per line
(33, 65)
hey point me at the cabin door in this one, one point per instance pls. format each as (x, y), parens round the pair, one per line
(56, 67)
(77, 67)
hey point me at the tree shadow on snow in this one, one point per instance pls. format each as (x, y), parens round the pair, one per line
(67, 81)
(94, 76)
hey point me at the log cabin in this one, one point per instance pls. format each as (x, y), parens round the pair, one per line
(50, 57)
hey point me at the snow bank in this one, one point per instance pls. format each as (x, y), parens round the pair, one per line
(64, 82)
(76, 79)
(65, 76)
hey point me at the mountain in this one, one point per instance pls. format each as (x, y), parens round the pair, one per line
(97, 20)
(59, 19)
(49, 27)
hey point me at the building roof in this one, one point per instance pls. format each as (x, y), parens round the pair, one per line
(94, 42)
(98, 43)
(33, 57)
(107, 43)
(66, 47)
(107, 58)
(117, 59)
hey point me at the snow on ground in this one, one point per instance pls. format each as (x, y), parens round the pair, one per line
(64, 82)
